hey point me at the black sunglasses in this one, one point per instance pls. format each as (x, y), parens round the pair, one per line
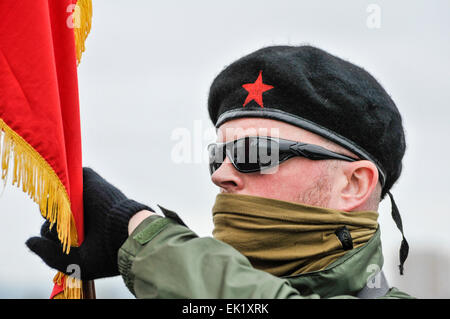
(256, 153)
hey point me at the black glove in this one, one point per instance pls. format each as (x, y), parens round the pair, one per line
(107, 212)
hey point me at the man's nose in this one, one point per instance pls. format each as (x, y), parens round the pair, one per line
(227, 177)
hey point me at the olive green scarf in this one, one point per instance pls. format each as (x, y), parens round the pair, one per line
(287, 238)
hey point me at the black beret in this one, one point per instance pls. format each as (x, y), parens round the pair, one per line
(312, 89)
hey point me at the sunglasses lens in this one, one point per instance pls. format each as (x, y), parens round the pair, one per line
(244, 155)
(252, 154)
(268, 152)
(248, 154)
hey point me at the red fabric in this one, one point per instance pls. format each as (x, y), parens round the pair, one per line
(39, 87)
(57, 289)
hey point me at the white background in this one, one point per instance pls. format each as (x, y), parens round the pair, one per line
(147, 70)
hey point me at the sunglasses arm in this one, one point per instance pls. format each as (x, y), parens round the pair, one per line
(315, 152)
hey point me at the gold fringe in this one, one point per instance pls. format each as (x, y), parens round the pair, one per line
(73, 287)
(39, 181)
(44, 187)
(82, 18)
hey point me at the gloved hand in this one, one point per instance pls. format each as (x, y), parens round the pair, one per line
(107, 212)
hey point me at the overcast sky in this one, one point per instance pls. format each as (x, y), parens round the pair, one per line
(147, 70)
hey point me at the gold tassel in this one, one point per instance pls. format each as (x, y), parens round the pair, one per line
(40, 182)
(44, 187)
(73, 287)
(82, 19)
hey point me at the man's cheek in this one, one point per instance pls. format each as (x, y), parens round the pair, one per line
(278, 187)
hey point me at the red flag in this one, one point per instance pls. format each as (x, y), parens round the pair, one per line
(39, 109)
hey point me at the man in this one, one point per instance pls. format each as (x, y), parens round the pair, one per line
(308, 145)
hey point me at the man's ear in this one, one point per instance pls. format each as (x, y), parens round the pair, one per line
(359, 182)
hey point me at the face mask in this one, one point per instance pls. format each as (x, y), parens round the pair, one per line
(286, 238)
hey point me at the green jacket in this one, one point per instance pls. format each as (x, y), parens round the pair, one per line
(163, 258)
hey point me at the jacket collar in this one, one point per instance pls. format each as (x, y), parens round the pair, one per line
(347, 275)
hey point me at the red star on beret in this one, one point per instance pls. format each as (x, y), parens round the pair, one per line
(255, 90)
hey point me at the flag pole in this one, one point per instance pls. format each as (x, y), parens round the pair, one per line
(89, 289)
